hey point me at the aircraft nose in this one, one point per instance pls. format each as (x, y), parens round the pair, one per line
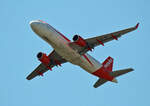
(37, 26)
(33, 24)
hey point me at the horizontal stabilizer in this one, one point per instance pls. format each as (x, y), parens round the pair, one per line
(120, 72)
(114, 74)
(99, 82)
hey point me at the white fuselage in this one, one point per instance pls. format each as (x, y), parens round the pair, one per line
(61, 45)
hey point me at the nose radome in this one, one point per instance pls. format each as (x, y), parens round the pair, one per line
(32, 23)
(38, 21)
(35, 25)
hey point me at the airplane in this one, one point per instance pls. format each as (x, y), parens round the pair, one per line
(75, 52)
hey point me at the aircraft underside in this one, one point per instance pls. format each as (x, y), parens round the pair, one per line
(76, 52)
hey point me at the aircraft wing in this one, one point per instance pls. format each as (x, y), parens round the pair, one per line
(42, 68)
(99, 82)
(100, 40)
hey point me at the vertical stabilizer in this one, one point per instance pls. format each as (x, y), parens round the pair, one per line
(108, 64)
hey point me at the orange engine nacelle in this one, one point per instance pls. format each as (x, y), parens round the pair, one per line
(43, 58)
(79, 41)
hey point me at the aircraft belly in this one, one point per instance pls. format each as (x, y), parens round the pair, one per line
(76, 59)
(88, 67)
(64, 50)
(68, 54)
(72, 56)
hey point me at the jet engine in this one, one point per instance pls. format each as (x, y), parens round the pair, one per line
(79, 40)
(43, 58)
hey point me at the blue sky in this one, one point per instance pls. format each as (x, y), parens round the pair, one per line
(70, 85)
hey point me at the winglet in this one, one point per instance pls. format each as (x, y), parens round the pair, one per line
(137, 25)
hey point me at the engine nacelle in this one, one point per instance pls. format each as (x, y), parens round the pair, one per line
(43, 58)
(79, 40)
